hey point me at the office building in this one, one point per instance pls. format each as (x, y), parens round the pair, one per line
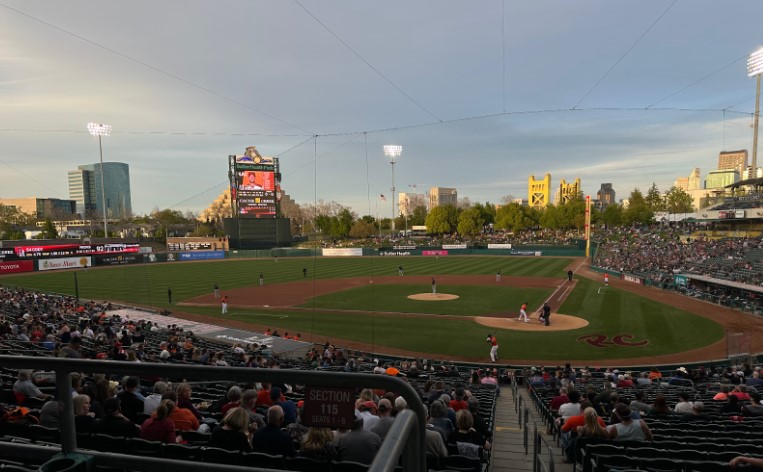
(538, 191)
(747, 174)
(695, 179)
(682, 183)
(41, 208)
(85, 189)
(721, 178)
(605, 196)
(407, 202)
(733, 160)
(442, 196)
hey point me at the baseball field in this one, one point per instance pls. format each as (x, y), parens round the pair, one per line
(363, 303)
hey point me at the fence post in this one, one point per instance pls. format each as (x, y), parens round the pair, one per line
(519, 414)
(525, 443)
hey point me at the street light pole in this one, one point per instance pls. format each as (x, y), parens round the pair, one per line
(99, 129)
(755, 69)
(393, 152)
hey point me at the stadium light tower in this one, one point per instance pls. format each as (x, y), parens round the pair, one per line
(393, 151)
(755, 69)
(99, 129)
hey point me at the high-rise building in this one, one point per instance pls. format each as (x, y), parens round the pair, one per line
(85, 189)
(747, 174)
(53, 208)
(442, 196)
(733, 160)
(538, 191)
(605, 196)
(695, 179)
(407, 201)
(682, 183)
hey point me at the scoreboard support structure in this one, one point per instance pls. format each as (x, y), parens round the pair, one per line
(257, 233)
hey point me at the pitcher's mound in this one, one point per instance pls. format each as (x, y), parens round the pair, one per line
(558, 323)
(433, 297)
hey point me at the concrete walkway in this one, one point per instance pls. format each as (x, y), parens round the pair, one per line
(509, 436)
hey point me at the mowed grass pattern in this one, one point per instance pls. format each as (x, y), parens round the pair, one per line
(613, 312)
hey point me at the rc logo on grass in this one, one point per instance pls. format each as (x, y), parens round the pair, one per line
(602, 340)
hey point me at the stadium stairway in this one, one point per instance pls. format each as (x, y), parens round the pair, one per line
(509, 451)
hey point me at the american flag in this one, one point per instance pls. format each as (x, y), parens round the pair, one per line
(383, 198)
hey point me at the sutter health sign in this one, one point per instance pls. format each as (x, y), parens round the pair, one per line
(329, 407)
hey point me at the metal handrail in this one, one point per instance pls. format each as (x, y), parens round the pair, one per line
(408, 429)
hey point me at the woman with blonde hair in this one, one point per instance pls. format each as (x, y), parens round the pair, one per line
(593, 427)
(160, 427)
(318, 444)
(232, 433)
(84, 419)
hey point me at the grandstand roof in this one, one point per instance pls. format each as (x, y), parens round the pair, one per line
(728, 283)
(757, 182)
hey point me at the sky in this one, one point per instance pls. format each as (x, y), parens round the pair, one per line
(480, 94)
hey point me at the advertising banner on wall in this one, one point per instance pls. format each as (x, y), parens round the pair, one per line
(16, 267)
(434, 252)
(454, 246)
(64, 263)
(119, 259)
(343, 251)
(499, 246)
(201, 255)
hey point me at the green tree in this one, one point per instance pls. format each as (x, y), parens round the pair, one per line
(342, 224)
(487, 212)
(470, 222)
(12, 221)
(49, 230)
(654, 199)
(573, 213)
(678, 201)
(362, 229)
(418, 216)
(638, 211)
(442, 219)
(613, 215)
(513, 217)
(552, 217)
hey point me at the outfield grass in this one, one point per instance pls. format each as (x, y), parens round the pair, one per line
(613, 312)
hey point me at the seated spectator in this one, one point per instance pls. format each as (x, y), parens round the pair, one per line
(50, 414)
(131, 398)
(263, 396)
(643, 380)
(684, 405)
(629, 429)
(639, 405)
(559, 400)
(434, 442)
(723, 395)
(697, 413)
(479, 422)
(754, 408)
(24, 388)
(624, 381)
(248, 402)
(459, 402)
(368, 411)
(571, 408)
(755, 380)
(232, 434)
(84, 419)
(160, 427)
(152, 401)
(654, 374)
(183, 398)
(114, 423)
(465, 433)
(270, 439)
(438, 414)
(385, 418)
(318, 444)
(594, 426)
(184, 419)
(358, 445)
(732, 406)
(234, 399)
(288, 406)
(741, 392)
